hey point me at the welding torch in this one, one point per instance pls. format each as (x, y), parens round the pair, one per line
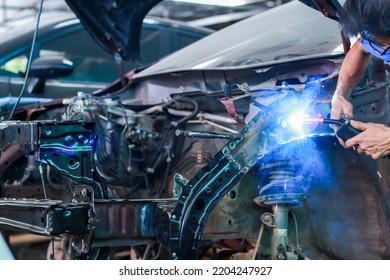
(345, 130)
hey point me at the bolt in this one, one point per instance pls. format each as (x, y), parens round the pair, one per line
(232, 145)
(245, 169)
(173, 217)
(266, 218)
(260, 156)
(174, 255)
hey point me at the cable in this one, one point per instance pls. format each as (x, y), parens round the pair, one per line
(145, 255)
(158, 253)
(29, 61)
(46, 197)
(43, 181)
(333, 121)
(52, 248)
(168, 160)
(296, 230)
(182, 99)
(258, 241)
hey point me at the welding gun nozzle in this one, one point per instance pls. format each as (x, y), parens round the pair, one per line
(314, 120)
(324, 121)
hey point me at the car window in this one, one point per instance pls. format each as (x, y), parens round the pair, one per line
(150, 45)
(183, 39)
(91, 63)
(160, 41)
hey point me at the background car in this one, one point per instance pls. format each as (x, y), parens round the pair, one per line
(62, 35)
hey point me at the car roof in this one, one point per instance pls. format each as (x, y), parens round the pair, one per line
(286, 33)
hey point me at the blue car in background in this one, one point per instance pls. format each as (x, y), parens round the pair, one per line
(61, 35)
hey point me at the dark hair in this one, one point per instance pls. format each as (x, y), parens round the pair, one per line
(370, 17)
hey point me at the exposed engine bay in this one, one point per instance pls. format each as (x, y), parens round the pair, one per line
(206, 170)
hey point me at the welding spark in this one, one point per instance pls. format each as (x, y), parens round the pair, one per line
(303, 122)
(297, 121)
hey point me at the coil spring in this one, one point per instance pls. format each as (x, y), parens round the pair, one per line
(280, 183)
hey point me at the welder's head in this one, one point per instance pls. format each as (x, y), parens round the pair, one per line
(378, 47)
(371, 18)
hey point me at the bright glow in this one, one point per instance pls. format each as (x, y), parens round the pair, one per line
(303, 121)
(297, 121)
(227, 3)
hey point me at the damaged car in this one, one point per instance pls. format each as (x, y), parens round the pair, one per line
(221, 150)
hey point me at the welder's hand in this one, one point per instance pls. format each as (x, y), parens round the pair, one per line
(340, 107)
(374, 140)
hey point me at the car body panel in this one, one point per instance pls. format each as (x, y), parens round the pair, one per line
(258, 42)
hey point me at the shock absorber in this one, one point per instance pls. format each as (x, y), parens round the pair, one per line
(280, 233)
(280, 184)
(282, 188)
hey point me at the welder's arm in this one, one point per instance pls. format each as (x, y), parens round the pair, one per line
(374, 140)
(351, 72)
